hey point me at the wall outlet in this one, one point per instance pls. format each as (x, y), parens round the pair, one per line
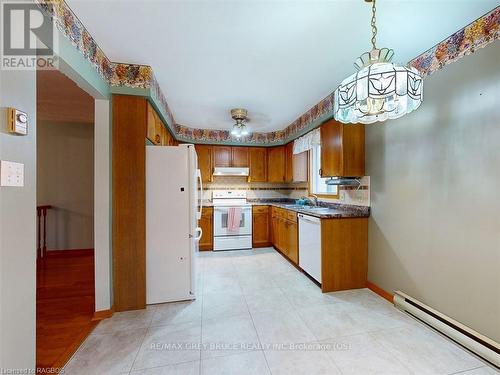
(342, 195)
(11, 173)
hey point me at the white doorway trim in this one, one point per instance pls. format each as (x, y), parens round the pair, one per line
(102, 205)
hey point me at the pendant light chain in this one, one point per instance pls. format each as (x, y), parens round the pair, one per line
(374, 25)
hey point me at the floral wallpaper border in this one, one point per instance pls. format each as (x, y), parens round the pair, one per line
(477, 34)
(305, 122)
(70, 26)
(141, 76)
(115, 74)
(224, 136)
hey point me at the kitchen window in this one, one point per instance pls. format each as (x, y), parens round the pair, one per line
(318, 184)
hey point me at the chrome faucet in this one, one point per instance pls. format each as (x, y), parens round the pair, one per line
(312, 201)
(315, 197)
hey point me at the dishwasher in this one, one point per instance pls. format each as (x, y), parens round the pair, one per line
(310, 246)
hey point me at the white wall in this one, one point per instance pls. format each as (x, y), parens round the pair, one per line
(18, 223)
(17, 228)
(435, 182)
(65, 180)
(102, 205)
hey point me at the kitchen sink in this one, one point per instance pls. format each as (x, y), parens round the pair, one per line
(296, 206)
(317, 209)
(306, 208)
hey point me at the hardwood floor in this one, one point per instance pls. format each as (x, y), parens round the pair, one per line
(65, 305)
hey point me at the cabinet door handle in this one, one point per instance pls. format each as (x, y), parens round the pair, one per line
(321, 172)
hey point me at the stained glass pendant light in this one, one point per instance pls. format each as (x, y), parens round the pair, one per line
(379, 90)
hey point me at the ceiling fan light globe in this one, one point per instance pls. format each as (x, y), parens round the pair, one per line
(235, 131)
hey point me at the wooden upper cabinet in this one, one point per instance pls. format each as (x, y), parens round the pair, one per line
(301, 167)
(257, 158)
(222, 156)
(289, 162)
(342, 150)
(166, 138)
(156, 131)
(226, 156)
(159, 128)
(276, 164)
(151, 124)
(354, 150)
(296, 166)
(239, 156)
(205, 162)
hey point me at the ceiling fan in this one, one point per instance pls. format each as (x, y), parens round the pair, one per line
(239, 128)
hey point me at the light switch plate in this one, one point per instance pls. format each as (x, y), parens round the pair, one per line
(11, 173)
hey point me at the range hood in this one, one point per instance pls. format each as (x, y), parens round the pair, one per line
(230, 171)
(343, 181)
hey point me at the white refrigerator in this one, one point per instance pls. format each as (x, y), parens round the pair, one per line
(173, 208)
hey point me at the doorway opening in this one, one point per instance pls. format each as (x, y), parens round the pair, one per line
(65, 296)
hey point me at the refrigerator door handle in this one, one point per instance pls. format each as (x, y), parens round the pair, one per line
(200, 231)
(200, 206)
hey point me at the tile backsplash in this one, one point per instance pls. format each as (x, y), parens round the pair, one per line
(262, 190)
(359, 196)
(255, 190)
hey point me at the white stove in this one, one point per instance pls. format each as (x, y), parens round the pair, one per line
(229, 198)
(232, 220)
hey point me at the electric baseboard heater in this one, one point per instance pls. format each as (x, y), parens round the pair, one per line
(481, 345)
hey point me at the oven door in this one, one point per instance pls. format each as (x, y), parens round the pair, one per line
(220, 221)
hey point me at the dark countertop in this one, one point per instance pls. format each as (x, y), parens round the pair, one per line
(323, 211)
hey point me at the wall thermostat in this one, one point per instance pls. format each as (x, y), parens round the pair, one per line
(17, 121)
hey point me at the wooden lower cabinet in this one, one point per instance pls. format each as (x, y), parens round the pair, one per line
(292, 241)
(274, 227)
(206, 225)
(282, 236)
(344, 254)
(344, 248)
(284, 230)
(260, 226)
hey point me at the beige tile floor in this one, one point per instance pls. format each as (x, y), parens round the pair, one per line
(256, 314)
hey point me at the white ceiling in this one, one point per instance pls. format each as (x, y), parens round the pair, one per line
(277, 58)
